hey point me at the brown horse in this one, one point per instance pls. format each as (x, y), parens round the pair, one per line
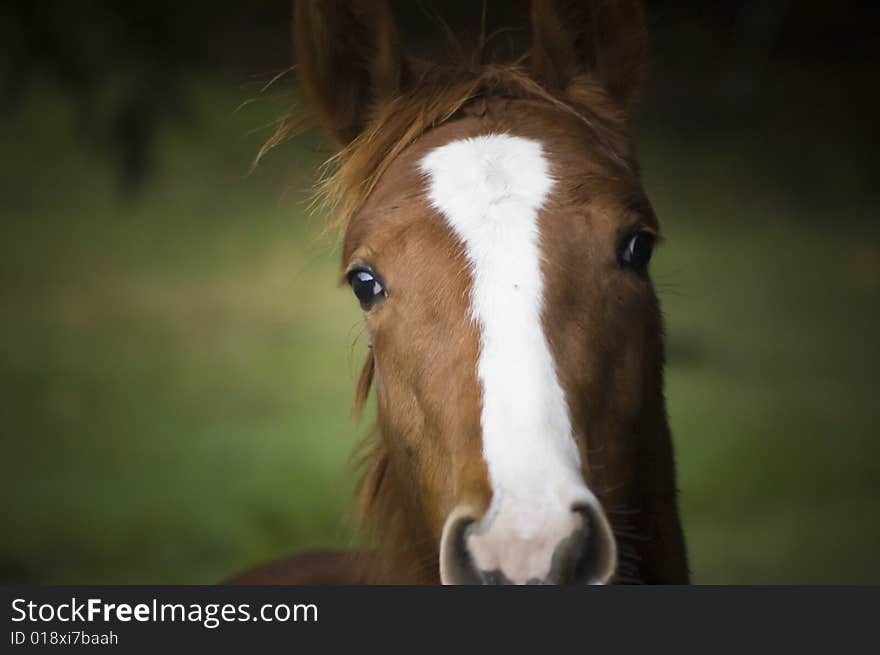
(497, 238)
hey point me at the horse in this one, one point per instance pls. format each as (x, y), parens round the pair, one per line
(497, 238)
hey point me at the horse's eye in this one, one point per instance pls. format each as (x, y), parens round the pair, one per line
(366, 287)
(637, 250)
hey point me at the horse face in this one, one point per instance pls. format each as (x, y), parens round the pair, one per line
(501, 262)
(497, 239)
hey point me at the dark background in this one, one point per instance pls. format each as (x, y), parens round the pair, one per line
(176, 360)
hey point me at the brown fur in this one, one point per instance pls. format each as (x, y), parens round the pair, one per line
(608, 38)
(329, 35)
(602, 322)
(440, 95)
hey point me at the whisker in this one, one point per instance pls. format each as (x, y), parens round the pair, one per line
(361, 328)
(632, 535)
(612, 489)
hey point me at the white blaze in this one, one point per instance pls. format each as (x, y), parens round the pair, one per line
(490, 189)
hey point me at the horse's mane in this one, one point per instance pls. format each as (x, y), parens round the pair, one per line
(440, 94)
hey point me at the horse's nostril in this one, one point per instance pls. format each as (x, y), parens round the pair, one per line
(456, 565)
(590, 553)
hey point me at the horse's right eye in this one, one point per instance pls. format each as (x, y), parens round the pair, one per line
(366, 287)
(636, 252)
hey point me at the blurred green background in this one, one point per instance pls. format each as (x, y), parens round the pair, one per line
(177, 360)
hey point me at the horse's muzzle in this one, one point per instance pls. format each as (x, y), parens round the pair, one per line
(574, 546)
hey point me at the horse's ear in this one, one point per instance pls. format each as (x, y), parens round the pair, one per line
(603, 38)
(348, 59)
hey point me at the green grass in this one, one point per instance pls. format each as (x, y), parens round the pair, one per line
(176, 371)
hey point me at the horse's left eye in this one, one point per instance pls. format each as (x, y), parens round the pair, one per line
(366, 287)
(636, 252)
